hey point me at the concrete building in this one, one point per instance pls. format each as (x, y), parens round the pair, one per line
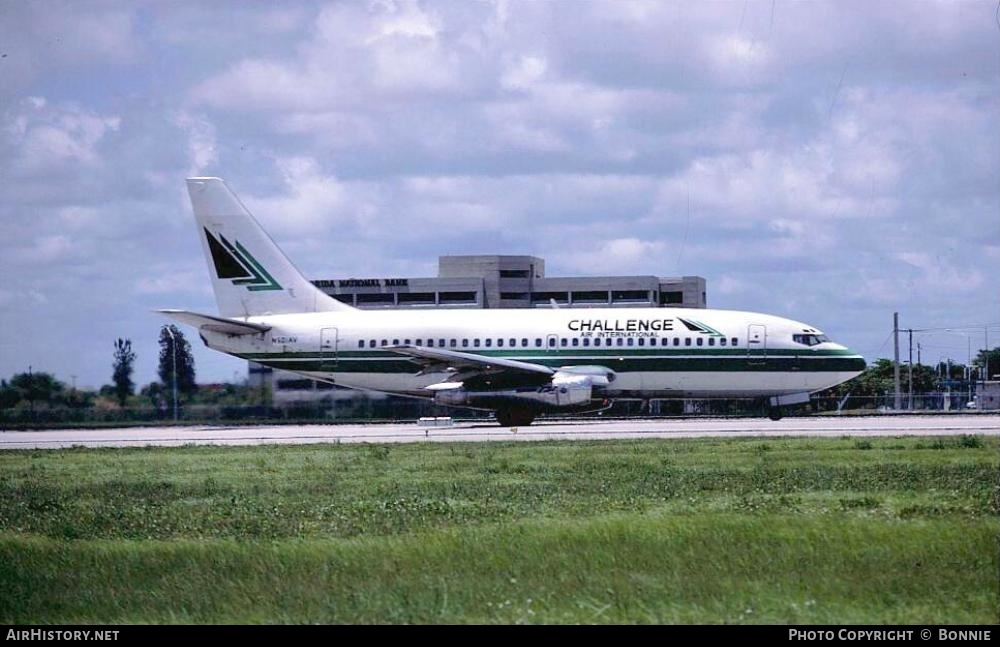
(490, 281)
(514, 282)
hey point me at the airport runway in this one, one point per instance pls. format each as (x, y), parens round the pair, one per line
(889, 425)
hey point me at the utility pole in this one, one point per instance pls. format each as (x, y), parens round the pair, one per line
(895, 365)
(909, 399)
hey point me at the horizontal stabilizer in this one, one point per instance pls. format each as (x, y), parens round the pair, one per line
(216, 324)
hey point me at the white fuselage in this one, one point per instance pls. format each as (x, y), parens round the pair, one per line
(653, 352)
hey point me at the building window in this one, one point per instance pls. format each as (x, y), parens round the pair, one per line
(295, 385)
(416, 297)
(457, 297)
(514, 296)
(377, 298)
(671, 298)
(513, 274)
(629, 295)
(590, 296)
(544, 297)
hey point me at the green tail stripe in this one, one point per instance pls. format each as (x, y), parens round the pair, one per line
(260, 280)
(270, 283)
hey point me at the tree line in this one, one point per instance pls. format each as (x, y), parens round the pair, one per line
(31, 388)
(878, 378)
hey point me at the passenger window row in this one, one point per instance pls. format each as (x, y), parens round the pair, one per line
(564, 342)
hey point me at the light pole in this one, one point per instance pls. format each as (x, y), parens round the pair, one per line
(968, 366)
(173, 347)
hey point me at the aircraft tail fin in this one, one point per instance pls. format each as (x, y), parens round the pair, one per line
(250, 274)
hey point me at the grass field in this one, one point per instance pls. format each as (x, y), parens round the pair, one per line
(882, 530)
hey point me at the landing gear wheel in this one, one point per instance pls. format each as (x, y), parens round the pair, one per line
(775, 413)
(515, 417)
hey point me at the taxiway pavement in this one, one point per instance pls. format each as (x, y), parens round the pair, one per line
(886, 425)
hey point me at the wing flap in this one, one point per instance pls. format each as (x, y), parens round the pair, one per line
(456, 360)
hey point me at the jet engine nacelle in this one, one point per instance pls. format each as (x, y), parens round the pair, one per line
(572, 388)
(543, 398)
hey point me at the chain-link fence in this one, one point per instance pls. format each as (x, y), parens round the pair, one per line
(393, 409)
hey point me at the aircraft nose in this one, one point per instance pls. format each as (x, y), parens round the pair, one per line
(857, 361)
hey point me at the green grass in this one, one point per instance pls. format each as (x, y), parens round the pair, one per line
(885, 530)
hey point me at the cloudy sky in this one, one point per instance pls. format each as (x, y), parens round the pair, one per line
(830, 162)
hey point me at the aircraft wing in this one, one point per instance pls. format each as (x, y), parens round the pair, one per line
(470, 364)
(216, 324)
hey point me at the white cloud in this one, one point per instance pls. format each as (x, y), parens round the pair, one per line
(45, 136)
(202, 147)
(524, 73)
(830, 161)
(310, 204)
(45, 250)
(173, 282)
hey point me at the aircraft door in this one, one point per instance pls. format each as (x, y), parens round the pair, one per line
(756, 344)
(328, 348)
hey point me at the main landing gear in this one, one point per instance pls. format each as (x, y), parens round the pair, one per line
(515, 417)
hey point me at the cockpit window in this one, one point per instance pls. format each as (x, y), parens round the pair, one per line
(810, 340)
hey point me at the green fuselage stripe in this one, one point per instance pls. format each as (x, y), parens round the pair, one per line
(649, 360)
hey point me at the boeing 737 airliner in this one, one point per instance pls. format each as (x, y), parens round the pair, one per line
(516, 362)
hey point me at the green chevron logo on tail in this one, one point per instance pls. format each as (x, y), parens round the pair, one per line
(233, 261)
